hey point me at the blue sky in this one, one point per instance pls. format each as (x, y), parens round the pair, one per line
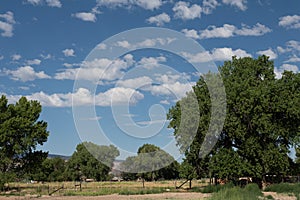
(53, 50)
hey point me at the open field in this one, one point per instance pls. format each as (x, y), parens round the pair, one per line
(128, 190)
(96, 188)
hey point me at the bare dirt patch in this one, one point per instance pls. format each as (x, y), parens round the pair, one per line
(175, 196)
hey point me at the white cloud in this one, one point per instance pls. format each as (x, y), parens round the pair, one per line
(16, 57)
(176, 89)
(54, 3)
(191, 33)
(291, 46)
(84, 97)
(68, 52)
(1, 57)
(209, 5)
(256, 30)
(101, 46)
(184, 11)
(46, 57)
(34, 62)
(145, 43)
(146, 4)
(97, 69)
(86, 16)
(149, 5)
(269, 52)
(228, 30)
(34, 2)
(160, 19)
(218, 54)
(292, 59)
(241, 4)
(135, 83)
(26, 73)
(50, 3)
(150, 62)
(285, 67)
(7, 25)
(290, 21)
(225, 31)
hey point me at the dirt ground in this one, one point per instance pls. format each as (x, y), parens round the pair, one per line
(173, 196)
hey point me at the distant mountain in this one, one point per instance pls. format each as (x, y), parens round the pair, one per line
(59, 156)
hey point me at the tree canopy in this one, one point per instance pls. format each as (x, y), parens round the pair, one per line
(91, 161)
(262, 120)
(151, 163)
(21, 131)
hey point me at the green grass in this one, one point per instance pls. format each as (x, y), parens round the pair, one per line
(250, 192)
(286, 188)
(142, 191)
(216, 188)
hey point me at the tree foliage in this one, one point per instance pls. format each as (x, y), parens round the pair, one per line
(262, 120)
(150, 164)
(91, 161)
(20, 133)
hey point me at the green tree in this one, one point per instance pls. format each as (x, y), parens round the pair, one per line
(150, 164)
(91, 161)
(262, 120)
(52, 169)
(20, 133)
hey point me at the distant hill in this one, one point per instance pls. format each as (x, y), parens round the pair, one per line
(59, 156)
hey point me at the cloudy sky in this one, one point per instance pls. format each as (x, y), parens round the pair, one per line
(75, 57)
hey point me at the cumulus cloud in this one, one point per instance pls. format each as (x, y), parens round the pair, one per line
(150, 62)
(16, 57)
(34, 62)
(209, 5)
(159, 20)
(86, 16)
(34, 2)
(285, 67)
(228, 30)
(50, 3)
(217, 54)
(7, 24)
(26, 73)
(292, 59)
(98, 69)
(135, 83)
(269, 52)
(191, 33)
(54, 3)
(225, 31)
(146, 4)
(83, 97)
(290, 46)
(240, 4)
(183, 10)
(177, 89)
(256, 30)
(290, 21)
(145, 43)
(69, 52)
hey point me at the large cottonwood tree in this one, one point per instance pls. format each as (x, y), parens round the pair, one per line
(262, 120)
